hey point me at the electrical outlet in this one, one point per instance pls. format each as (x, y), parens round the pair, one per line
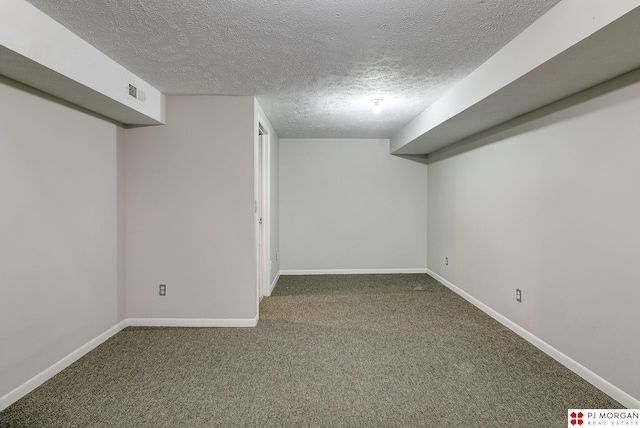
(519, 295)
(446, 261)
(163, 289)
(277, 255)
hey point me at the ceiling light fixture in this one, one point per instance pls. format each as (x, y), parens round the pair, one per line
(377, 108)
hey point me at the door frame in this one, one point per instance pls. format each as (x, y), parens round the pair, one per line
(262, 206)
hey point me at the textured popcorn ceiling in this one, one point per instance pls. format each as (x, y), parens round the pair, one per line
(314, 65)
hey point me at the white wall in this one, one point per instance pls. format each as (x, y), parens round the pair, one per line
(190, 212)
(348, 204)
(121, 233)
(550, 205)
(58, 232)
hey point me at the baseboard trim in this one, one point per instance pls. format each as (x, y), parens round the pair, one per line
(350, 271)
(591, 377)
(193, 322)
(273, 284)
(56, 368)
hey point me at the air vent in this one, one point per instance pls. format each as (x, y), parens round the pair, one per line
(136, 93)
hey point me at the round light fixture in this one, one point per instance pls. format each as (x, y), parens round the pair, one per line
(377, 105)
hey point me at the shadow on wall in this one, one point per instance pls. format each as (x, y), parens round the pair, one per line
(33, 91)
(423, 159)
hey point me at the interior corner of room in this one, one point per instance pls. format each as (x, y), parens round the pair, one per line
(522, 182)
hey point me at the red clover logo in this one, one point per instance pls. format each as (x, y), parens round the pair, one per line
(576, 418)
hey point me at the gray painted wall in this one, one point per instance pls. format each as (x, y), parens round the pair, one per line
(58, 232)
(121, 237)
(348, 204)
(549, 204)
(190, 211)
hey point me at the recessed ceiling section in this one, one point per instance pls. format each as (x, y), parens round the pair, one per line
(309, 66)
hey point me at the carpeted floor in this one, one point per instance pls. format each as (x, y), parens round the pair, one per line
(329, 351)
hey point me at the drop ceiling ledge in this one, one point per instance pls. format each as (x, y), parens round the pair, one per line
(23, 70)
(38, 52)
(522, 78)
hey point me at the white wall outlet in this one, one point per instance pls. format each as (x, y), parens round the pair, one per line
(277, 256)
(446, 261)
(519, 295)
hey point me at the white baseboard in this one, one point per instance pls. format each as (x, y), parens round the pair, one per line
(56, 368)
(273, 284)
(350, 271)
(193, 322)
(597, 381)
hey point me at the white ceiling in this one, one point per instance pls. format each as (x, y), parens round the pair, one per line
(315, 65)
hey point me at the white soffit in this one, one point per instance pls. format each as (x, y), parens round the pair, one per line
(574, 46)
(37, 51)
